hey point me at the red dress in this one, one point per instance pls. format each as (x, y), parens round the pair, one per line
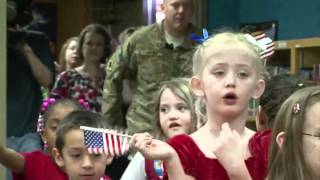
(40, 166)
(196, 164)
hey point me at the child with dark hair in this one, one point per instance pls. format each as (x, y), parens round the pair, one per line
(86, 81)
(38, 165)
(278, 89)
(295, 148)
(71, 153)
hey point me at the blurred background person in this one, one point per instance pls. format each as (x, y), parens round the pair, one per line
(29, 67)
(68, 57)
(86, 81)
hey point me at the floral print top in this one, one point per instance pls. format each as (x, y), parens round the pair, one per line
(72, 84)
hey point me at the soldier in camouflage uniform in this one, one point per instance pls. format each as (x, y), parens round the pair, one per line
(153, 54)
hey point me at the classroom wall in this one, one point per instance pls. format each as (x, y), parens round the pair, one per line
(296, 18)
(223, 13)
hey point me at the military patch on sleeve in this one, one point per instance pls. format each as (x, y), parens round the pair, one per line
(114, 59)
(110, 65)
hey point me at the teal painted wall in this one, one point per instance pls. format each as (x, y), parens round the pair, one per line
(296, 18)
(223, 13)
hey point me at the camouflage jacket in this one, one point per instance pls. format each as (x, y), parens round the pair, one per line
(145, 60)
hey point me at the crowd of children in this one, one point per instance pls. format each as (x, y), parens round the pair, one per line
(198, 121)
(228, 72)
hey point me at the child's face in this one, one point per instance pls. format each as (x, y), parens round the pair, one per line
(71, 53)
(78, 163)
(311, 145)
(229, 79)
(93, 47)
(174, 114)
(57, 115)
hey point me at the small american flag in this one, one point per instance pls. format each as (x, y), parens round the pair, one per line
(94, 141)
(266, 44)
(105, 141)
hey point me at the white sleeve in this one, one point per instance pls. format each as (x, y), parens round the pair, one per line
(135, 169)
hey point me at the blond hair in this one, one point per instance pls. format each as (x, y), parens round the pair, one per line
(226, 38)
(180, 87)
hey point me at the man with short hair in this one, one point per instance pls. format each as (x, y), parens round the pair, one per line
(153, 54)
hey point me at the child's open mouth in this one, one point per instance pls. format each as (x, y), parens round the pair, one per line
(173, 125)
(230, 98)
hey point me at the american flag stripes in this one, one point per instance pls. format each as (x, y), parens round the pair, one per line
(109, 144)
(99, 141)
(264, 43)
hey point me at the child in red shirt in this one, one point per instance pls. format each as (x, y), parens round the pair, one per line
(39, 165)
(71, 152)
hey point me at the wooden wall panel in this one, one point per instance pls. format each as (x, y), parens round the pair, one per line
(73, 15)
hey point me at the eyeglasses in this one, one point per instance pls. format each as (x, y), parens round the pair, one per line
(313, 135)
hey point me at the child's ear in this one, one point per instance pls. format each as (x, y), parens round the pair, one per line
(109, 159)
(259, 89)
(280, 139)
(58, 157)
(196, 86)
